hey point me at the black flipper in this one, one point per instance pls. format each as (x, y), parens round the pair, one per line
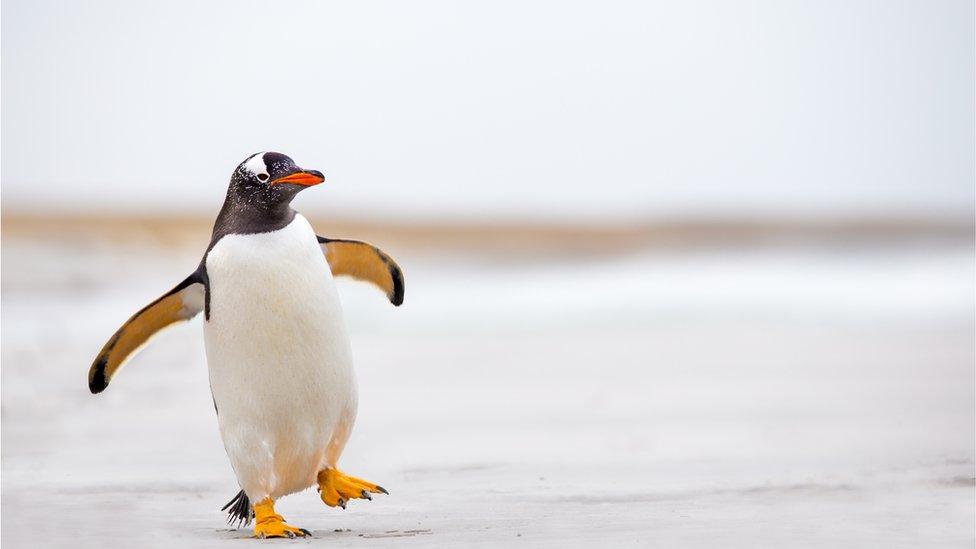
(181, 303)
(239, 510)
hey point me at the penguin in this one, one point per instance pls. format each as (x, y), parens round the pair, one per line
(278, 353)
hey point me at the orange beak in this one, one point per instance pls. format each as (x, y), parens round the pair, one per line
(306, 178)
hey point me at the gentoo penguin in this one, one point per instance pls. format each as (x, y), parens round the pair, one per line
(279, 357)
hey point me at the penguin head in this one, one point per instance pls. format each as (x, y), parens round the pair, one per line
(271, 179)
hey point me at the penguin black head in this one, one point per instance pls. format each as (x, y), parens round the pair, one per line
(260, 194)
(270, 180)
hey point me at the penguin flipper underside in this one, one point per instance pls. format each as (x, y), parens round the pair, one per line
(365, 262)
(181, 303)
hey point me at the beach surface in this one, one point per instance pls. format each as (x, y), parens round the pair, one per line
(801, 394)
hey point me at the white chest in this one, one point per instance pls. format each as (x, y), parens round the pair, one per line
(278, 353)
(284, 270)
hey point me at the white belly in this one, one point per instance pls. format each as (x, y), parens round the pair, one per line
(279, 358)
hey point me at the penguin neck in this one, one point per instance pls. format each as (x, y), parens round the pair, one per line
(240, 216)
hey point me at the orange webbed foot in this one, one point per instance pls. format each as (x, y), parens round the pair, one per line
(337, 488)
(268, 524)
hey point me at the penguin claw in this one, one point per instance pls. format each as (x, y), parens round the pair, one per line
(337, 488)
(281, 530)
(268, 524)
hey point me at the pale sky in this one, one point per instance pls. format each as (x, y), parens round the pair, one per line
(561, 110)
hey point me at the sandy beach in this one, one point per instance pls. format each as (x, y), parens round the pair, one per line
(801, 393)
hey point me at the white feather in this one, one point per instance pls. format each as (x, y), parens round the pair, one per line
(256, 164)
(279, 357)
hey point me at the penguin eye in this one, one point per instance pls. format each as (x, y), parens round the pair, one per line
(263, 176)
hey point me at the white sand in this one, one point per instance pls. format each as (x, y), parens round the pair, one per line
(818, 398)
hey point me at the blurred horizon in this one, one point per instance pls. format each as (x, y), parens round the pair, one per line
(534, 112)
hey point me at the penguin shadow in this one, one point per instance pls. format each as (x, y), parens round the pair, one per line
(336, 534)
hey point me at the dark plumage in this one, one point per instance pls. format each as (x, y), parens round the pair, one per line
(239, 510)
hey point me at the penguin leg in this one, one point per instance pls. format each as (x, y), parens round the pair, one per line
(268, 524)
(336, 488)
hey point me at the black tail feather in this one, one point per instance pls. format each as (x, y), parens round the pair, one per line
(239, 510)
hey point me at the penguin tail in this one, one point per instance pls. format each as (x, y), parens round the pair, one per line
(239, 510)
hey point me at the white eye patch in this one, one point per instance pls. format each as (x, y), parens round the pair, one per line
(256, 166)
